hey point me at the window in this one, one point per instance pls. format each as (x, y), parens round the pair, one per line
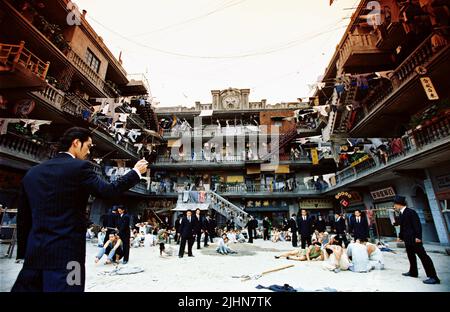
(92, 61)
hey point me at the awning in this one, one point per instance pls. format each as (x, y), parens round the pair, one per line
(268, 167)
(191, 206)
(206, 113)
(282, 169)
(174, 143)
(254, 170)
(235, 179)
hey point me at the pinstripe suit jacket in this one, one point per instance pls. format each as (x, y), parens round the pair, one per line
(52, 210)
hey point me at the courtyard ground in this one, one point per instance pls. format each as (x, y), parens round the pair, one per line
(211, 272)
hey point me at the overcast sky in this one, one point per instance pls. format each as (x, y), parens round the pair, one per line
(188, 47)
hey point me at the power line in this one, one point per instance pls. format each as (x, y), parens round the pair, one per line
(223, 7)
(244, 55)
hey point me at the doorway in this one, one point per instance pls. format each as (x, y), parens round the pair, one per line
(422, 205)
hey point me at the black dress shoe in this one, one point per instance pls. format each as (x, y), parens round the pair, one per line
(409, 274)
(432, 280)
(190, 255)
(180, 256)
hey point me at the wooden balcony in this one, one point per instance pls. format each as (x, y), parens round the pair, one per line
(404, 95)
(360, 52)
(23, 69)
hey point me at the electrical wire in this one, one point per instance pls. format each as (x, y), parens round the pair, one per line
(244, 55)
(193, 19)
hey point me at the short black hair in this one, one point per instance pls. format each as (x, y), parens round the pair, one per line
(72, 134)
(359, 210)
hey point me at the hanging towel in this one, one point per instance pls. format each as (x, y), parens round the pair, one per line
(185, 196)
(201, 196)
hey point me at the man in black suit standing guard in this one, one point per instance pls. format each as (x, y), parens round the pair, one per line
(187, 234)
(305, 228)
(51, 225)
(198, 226)
(251, 226)
(177, 228)
(292, 224)
(340, 228)
(266, 228)
(411, 234)
(124, 232)
(359, 226)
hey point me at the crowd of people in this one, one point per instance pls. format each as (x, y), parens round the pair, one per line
(343, 247)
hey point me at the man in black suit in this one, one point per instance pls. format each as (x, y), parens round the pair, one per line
(251, 226)
(292, 224)
(266, 228)
(319, 225)
(305, 229)
(124, 232)
(212, 229)
(51, 215)
(411, 234)
(187, 234)
(340, 228)
(206, 228)
(359, 226)
(110, 222)
(177, 229)
(198, 226)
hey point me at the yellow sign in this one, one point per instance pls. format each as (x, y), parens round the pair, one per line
(315, 156)
(362, 159)
(429, 88)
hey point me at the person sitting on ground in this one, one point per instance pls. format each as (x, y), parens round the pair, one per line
(240, 237)
(90, 233)
(375, 256)
(335, 257)
(231, 235)
(113, 248)
(275, 235)
(162, 238)
(357, 253)
(135, 239)
(223, 247)
(101, 237)
(311, 253)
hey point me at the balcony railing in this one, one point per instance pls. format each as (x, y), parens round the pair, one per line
(18, 146)
(361, 42)
(419, 57)
(89, 73)
(51, 95)
(230, 159)
(423, 54)
(242, 188)
(197, 160)
(17, 55)
(74, 105)
(414, 142)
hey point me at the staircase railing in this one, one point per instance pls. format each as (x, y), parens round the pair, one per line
(228, 209)
(282, 141)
